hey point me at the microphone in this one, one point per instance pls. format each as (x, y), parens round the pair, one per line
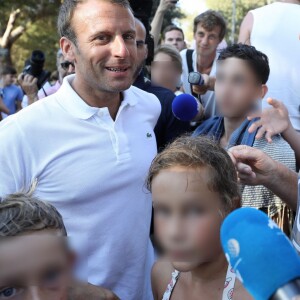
(195, 78)
(261, 255)
(186, 108)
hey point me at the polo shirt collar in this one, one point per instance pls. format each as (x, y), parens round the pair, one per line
(77, 107)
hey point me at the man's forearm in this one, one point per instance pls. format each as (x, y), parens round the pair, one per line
(293, 138)
(156, 26)
(284, 184)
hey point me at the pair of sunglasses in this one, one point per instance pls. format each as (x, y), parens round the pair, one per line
(66, 64)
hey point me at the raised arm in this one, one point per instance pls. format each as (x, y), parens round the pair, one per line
(157, 22)
(245, 29)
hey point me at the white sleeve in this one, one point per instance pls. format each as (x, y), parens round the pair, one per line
(15, 158)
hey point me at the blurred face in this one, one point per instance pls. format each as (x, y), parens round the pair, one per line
(175, 38)
(165, 72)
(187, 216)
(142, 49)
(105, 55)
(64, 68)
(9, 79)
(237, 88)
(207, 41)
(34, 266)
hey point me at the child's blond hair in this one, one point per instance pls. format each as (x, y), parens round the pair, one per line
(23, 212)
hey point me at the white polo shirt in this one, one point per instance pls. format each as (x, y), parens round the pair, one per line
(208, 99)
(92, 169)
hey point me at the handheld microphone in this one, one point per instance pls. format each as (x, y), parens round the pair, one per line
(195, 78)
(261, 255)
(186, 108)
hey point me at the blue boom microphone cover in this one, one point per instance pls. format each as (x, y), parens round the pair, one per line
(185, 107)
(259, 252)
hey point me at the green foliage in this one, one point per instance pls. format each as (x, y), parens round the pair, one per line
(242, 8)
(41, 35)
(39, 18)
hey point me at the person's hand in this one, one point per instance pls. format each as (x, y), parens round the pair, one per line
(3, 107)
(253, 166)
(202, 89)
(273, 120)
(164, 5)
(28, 84)
(83, 291)
(13, 16)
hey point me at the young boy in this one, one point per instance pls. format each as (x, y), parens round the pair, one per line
(242, 73)
(35, 261)
(11, 94)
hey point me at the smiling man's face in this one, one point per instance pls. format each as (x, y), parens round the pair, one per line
(105, 50)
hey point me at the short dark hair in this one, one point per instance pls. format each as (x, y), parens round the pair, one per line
(257, 60)
(66, 12)
(171, 28)
(209, 20)
(8, 70)
(199, 152)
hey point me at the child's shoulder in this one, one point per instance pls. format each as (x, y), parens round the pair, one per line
(240, 292)
(161, 276)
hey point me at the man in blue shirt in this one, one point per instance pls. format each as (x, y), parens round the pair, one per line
(12, 94)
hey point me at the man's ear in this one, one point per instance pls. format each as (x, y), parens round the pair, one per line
(146, 51)
(264, 90)
(68, 49)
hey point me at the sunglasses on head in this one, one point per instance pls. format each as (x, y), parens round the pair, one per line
(66, 64)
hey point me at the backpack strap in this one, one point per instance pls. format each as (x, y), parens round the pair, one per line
(189, 60)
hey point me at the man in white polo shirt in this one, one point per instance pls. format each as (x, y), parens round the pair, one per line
(90, 146)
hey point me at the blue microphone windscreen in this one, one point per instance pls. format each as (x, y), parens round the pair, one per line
(259, 252)
(185, 107)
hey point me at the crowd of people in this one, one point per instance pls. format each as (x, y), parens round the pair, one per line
(105, 194)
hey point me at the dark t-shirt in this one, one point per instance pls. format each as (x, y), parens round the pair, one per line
(168, 127)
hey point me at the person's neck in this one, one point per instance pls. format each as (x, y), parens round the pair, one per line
(96, 98)
(210, 271)
(172, 88)
(2, 84)
(230, 125)
(204, 63)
